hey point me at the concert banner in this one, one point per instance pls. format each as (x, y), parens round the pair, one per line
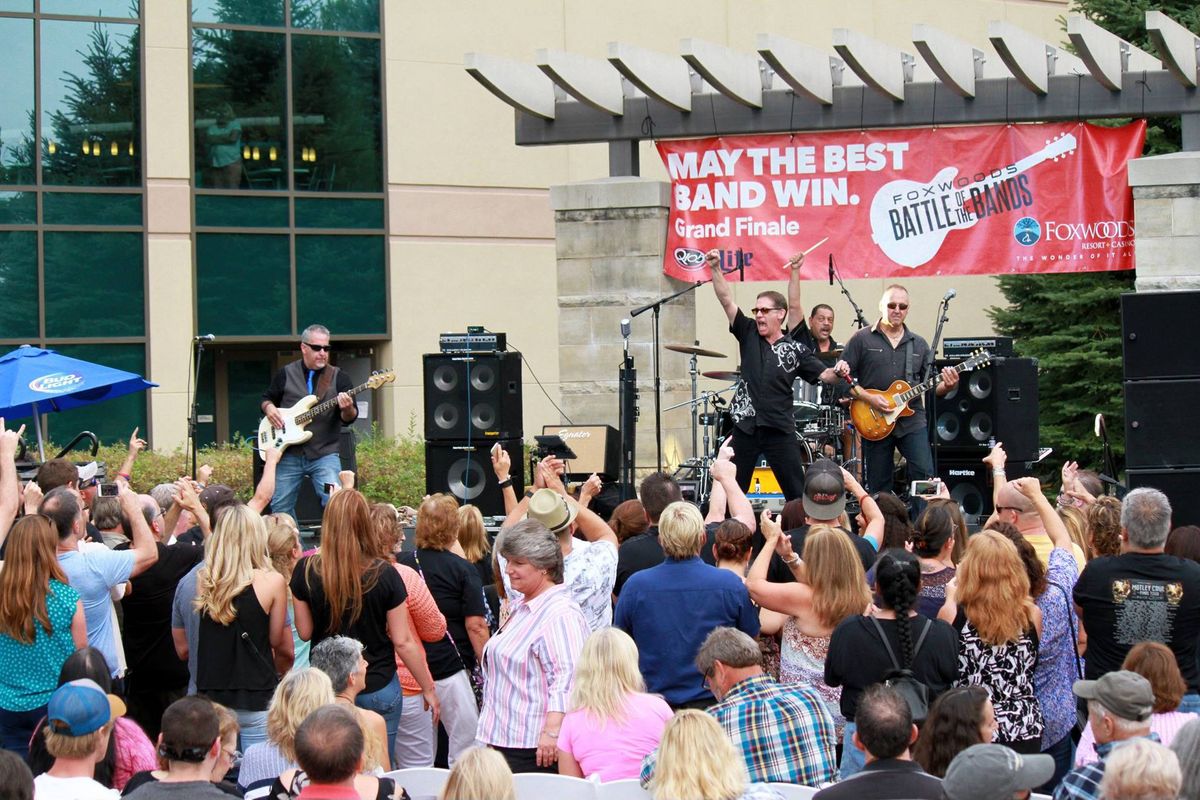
(972, 200)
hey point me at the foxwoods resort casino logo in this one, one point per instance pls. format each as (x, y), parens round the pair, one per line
(1027, 231)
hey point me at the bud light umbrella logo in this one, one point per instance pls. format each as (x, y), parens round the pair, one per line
(56, 382)
(1027, 231)
(689, 258)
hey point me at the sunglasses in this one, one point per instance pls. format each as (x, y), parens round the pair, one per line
(756, 311)
(320, 348)
(901, 306)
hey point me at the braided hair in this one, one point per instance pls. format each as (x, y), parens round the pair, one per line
(898, 576)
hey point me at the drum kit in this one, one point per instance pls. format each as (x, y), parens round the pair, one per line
(822, 428)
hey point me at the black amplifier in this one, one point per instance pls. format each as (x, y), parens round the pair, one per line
(962, 347)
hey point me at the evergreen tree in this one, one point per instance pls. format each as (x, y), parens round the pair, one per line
(1071, 323)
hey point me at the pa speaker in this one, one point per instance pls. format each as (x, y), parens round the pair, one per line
(597, 449)
(309, 510)
(1151, 323)
(1181, 486)
(465, 471)
(996, 403)
(969, 482)
(1157, 433)
(470, 395)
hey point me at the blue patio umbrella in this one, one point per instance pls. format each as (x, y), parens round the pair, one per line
(34, 381)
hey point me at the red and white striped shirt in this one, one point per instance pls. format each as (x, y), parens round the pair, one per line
(528, 667)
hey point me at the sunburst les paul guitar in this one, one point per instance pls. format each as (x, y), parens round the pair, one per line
(306, 409)
(873, 424)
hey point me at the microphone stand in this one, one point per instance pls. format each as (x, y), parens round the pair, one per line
(656, 307)
(860, 320)
(943, 318)
(628, 417)
(194, 400)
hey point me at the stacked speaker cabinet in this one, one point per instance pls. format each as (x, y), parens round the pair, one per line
(994, 403)
(472, 402)
(1162, 391)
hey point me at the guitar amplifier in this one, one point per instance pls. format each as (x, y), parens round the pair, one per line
(597, 449)
(960, 348)
(473, 342)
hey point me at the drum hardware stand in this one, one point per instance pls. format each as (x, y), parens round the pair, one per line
(699, 466)
(860, 320)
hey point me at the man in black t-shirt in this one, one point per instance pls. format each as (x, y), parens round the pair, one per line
(1142, 595)
(771, 360)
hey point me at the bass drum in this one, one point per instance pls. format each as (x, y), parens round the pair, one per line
(764, 483)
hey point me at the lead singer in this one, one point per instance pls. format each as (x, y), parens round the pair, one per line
(771, 359)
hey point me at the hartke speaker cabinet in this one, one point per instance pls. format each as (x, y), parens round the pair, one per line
(469, 395)
(970, 484)
(1157, 431)
(466, 472)
(998, 402)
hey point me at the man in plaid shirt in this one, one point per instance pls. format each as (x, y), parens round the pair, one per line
(785, 732)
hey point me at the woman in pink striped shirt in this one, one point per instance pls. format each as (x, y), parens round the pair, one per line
(529, 664)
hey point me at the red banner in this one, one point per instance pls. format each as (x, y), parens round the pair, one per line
(975, 200)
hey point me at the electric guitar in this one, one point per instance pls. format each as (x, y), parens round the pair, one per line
(306, 409)
(894, 200)
(873, 424)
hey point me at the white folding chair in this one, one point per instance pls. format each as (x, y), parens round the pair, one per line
(629, 789)
(422, 783)
(542, 785)
(793, 791)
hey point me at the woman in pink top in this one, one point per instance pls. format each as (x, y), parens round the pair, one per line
(613, 723)
(1156, 663)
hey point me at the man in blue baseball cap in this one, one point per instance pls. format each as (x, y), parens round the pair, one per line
(79, 721)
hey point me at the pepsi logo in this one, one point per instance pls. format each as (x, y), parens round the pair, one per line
(56, 382)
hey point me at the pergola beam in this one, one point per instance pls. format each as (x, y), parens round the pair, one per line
(662, 77)
(882, 67)
(1105, 54)
(808, 70)
(735, 74)
(1177, 45)
(955, 62)
(522, 86)
(588, 80)
(1031, 60)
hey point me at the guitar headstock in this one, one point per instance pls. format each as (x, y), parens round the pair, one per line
(979, 358)
(380, 377)
(1061, 147)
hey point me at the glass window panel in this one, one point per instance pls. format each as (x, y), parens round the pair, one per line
(95, 284)
(60, 208)
(325, 290)
(223, 211)
(238, 108)
(16, 5)
(92, 8)
(312, 212)
(238, 12)
(18, 285)
(18, 208)
(111, 420)
(91, 109)
(335, 94)
(336, 15)
(16, 101)
(243, 284)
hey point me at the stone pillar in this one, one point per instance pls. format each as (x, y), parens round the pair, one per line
(610, 236)
(1166, 211)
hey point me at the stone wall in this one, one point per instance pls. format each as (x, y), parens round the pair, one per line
(1166, 211)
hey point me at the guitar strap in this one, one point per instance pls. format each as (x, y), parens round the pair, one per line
(326, 381)
(909, 371)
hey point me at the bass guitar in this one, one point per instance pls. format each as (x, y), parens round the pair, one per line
(306, 409)
(873, 424)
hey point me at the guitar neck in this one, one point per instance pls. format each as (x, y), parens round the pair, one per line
(318, 410)
(925, 386)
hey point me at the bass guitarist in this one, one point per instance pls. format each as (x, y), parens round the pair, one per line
(877, 356)
(318, 458)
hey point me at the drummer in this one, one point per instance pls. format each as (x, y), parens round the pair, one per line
(817, 331)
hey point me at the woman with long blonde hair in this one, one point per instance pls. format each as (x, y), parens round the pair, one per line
(301, 692)
(243, 640)
(613, 723)
(283, 551)
(41, 624)
(473, 538)
(835, 587)
(347, 589)
(481, 773)
(697, 761)
(999, 628)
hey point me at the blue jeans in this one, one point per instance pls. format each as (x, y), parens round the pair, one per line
(16, 729)
(878, 467)
(1063, 753)
(853, 759)
(293, 468)
(1190, 704)
(252, 728)
(389, 703)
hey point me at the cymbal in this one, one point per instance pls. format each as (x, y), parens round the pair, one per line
(829, 355)
(692, 350)
(723, 375)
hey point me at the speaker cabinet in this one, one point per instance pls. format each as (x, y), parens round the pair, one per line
(1151, 323)
(1157, 431)
(465, 471)
(998, 402)
(1181, 486)
(597, 449)
(309, 510)
(970, 484)
(470, 395)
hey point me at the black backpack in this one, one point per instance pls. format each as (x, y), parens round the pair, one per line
(903, 680)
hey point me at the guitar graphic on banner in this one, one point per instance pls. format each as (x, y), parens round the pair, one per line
(910, 220)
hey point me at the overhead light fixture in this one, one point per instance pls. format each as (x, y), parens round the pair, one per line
(51, 148)
(87, 147)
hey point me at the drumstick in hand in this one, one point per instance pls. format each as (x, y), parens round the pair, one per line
(815, 246)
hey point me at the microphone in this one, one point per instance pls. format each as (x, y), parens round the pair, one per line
(1101, 429)
(950, 295)
(204, 337)
(831, 269)
(626, 328)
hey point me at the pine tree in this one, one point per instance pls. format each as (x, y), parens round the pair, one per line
(1071, 323)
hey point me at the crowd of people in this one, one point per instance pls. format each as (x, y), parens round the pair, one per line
(189, 648)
